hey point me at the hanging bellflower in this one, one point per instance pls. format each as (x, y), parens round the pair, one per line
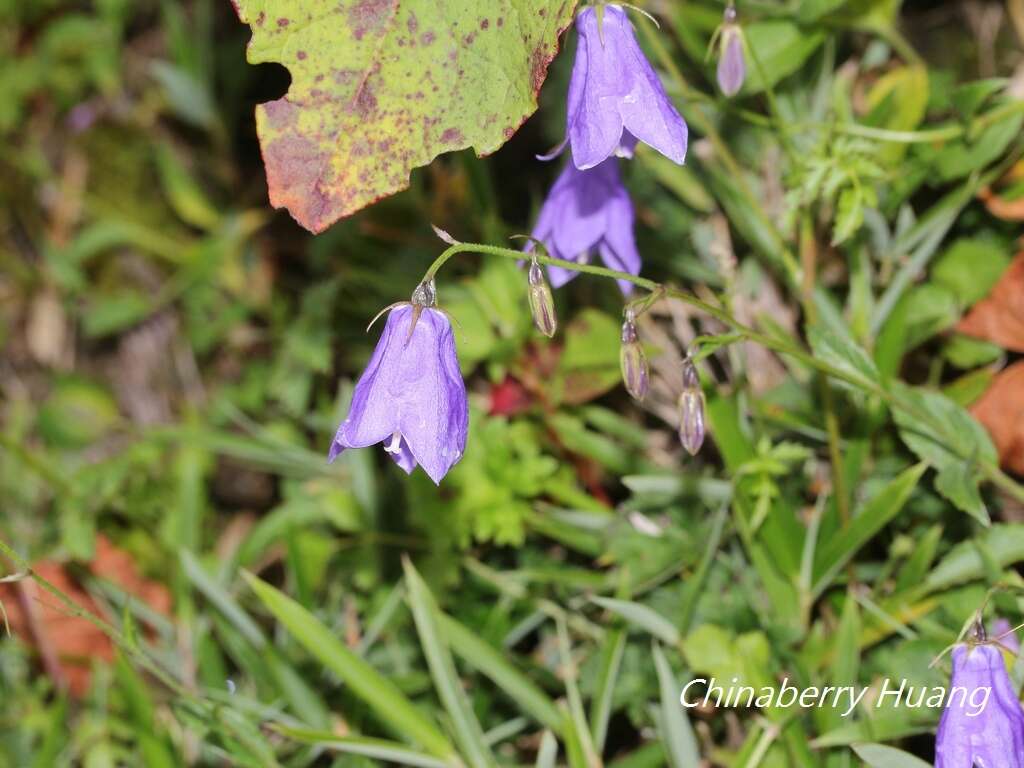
(989, 734)
(732, 69)
(588, 211)
(615, 96)
(411, 397)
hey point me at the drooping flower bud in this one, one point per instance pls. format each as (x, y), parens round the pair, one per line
(691, 409)
(732, 69)
(542, 304)
(636, 373)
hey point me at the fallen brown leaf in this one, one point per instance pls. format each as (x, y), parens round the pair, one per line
(999, 317)
(1001, 410)
(67, 644)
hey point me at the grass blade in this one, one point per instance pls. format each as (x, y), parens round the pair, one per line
(642, 617)
(380, 694)
(468, 733)
(601, 706)
(677, 734)
(874, 516)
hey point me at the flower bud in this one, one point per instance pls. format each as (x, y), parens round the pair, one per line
(636, 374)
(732, 69)
(542, 303)
(691, 409)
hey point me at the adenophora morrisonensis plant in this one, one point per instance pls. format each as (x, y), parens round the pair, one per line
(993, 737)
(587, 211)
(615, 96)
(411, 397)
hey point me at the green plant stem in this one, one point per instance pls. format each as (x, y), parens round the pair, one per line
(783, 346)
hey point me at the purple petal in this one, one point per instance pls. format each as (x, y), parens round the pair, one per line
(731, 68)
(595, 89)
(646, 110)
(411, 397)
(627, 146)
(559, 276)
(429, 396)
(400, 452)
(969, 734)
(370, 420)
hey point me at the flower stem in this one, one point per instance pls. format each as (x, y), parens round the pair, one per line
(781, 345)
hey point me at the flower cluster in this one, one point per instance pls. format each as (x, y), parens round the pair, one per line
(411, 398)
(615, 100)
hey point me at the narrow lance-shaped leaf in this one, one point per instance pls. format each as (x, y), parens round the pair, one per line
(380, 87)
(378, 692)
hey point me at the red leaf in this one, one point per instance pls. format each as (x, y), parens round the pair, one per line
(68, 644)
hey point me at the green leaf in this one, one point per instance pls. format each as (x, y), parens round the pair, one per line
(881, 756)
(946, 436)
(613, 647)
(1004, 543)
(970, 267)
(835, 347)
(378, 692)
(468, 733)
(778, 48)
(642, 617)
(381, 87)
(957, 482)
(868, 521)
(967, 352)
(589, 365)
(849, 215)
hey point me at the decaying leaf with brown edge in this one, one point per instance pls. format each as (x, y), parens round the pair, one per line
(1001, 410)
(68, 644)
(999, 317)
(380, 87)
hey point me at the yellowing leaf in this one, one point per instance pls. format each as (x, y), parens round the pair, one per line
(380, 87)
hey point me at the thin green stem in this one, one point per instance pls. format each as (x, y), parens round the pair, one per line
(783, 346)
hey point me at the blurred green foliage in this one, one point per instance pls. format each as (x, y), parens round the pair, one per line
(176, 357)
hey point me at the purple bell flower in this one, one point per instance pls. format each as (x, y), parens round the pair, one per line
(985, 728)
(411, 397)
(615, 96)
(587, 211)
